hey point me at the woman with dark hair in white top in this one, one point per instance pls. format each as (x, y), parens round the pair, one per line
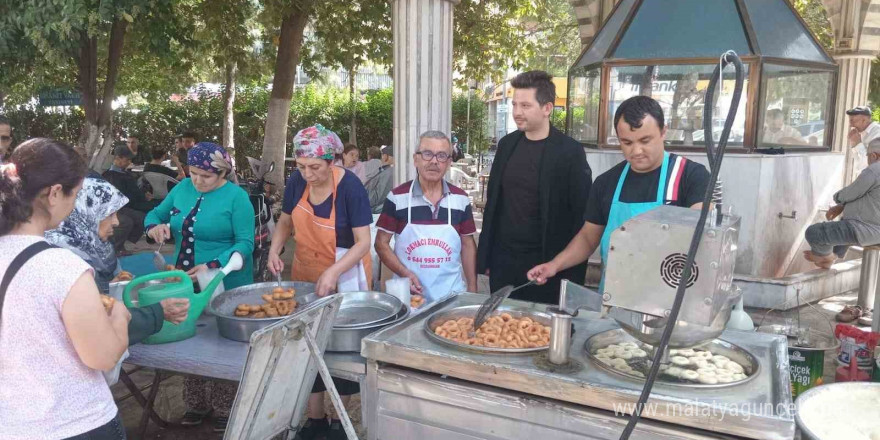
(55, 334)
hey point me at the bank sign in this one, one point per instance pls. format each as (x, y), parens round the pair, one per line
(60, 98)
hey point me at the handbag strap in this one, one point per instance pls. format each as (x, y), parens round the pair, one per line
(17, 264)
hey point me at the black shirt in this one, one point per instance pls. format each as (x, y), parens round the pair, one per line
(128, 186)
(519, 225)
(161, 169)
(642, 187)
(141, 157)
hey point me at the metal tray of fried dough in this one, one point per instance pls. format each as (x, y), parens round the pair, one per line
(441, 316)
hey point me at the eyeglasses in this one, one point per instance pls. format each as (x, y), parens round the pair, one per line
(5, 138)
(428, 155)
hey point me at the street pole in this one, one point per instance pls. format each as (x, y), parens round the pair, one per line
(467, 140)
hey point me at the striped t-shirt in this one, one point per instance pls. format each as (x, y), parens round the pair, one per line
(686, 182)
(394, 214)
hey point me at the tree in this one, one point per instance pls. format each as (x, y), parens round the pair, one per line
(552, 29)
(226, 29)
(293, 17)
(86, 40)
(347, 35)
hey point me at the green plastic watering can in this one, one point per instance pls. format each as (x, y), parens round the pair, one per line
(156, 292)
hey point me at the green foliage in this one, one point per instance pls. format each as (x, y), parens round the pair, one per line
(813, 13)
(553, 32)
(479, 140)
(30, 121)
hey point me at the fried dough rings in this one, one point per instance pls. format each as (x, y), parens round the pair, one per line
(499, 331)
(279, 303)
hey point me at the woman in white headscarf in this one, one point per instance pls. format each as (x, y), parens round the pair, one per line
(86, 232)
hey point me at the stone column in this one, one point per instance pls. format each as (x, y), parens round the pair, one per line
(852, 90)
(856, 25)
(422, 76)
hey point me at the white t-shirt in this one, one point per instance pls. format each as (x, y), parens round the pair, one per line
(46, 392)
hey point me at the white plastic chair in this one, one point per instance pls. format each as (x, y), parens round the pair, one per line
(159, 182)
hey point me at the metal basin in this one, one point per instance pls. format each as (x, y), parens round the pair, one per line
(718, 347)
(239, 328)
(821, 397)
(441, 316)
(361, 309)
(648, 329)
(349, 339)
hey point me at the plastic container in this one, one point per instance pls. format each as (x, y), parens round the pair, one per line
(399, 288)
(849, 373)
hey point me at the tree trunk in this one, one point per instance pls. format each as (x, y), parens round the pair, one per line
(352, 101)
(99, 114)
(289, 45)
(87, 77)
(228, 107)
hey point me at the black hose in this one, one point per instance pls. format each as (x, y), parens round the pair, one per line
(715, 155)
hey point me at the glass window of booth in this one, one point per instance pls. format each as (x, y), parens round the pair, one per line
(585, 90)
(680, 90)
(796, 104)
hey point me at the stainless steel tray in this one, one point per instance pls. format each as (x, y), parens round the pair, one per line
(442, 316)
(239, 328)
(349, 339)
(601, 340)
(364, 308)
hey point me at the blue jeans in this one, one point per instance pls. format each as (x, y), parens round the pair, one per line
(825, 238)
(112, 430)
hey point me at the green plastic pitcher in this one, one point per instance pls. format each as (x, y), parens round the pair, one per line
(152, 294)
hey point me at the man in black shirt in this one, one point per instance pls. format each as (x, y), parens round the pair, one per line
(536, 196)
(131, 216)
(649, 177)
(141, 155)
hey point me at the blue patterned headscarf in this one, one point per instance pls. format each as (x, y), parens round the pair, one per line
(208, 156)
(97, 200)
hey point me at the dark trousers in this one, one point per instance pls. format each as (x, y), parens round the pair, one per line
(510, 268)
(131, 227)
(343, 387)
(827, 237)
(112, 430)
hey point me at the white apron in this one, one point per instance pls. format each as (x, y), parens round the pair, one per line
(433, 253)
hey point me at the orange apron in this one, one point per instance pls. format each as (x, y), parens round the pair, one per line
(316, 248)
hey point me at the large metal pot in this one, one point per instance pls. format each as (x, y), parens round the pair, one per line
(823, 398)
(349, 339)
(237, 328)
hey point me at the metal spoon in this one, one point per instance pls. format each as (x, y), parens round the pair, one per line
(278, 278)
(158, 259)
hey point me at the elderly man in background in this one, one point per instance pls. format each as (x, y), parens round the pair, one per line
(5, 138)
(379, 178)
(433, 225)
(862, 130)
(859, 203)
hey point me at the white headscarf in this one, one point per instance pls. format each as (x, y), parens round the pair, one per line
(97, 200)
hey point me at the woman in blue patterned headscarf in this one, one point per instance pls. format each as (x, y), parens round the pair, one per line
(208, 156)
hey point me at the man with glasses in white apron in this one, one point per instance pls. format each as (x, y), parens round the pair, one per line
(433, 224)
(648, 178)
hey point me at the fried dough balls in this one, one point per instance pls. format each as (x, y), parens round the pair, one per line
(499, 331)
(122, 276)
(416, 301)
(279, 303)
